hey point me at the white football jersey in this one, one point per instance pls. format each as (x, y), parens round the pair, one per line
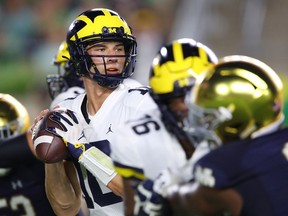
(70, 93)
(142, 147)
(75, 90)
(131, 83)
(185, 173)
(122, 104)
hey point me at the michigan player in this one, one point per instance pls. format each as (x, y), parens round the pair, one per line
(103, 51)
(145, 145)
(65, 83)
(247, 174)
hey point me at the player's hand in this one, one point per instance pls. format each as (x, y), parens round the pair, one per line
(71, 131)
(37, 120)
(166, 179)
(150, 196)
(148, 202)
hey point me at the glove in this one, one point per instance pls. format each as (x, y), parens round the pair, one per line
(166, 179)
(94, 160)
(71, 131)
(150, 196)
(147, 201)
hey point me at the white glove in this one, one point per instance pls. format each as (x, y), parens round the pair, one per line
(94, 160)
(150, 196)
(165, 179)
(71, 131)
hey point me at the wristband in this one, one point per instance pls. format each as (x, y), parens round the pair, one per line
(99, 164)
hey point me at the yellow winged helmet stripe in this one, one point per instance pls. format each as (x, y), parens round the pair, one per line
(107, 19)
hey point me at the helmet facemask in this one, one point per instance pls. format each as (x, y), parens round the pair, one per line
(56, 84)
(174, 120)
(201, 122)
(66, 76)
(11, 129)
(63, 80)
(106, 79)
(14, 118)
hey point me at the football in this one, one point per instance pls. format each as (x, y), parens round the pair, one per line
(49, 147)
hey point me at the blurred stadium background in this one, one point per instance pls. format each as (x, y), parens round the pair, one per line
(32, 30)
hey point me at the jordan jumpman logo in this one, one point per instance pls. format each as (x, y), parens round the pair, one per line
(109, 130)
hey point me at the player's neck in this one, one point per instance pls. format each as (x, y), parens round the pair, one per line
(95, 98)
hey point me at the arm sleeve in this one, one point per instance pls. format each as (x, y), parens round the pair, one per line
(14, 151)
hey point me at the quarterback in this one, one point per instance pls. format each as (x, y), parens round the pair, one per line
(102, 51)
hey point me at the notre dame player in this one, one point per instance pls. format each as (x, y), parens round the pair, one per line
(22, 175)
(22, 190)
(247, 173)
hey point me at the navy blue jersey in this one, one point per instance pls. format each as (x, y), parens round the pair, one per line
(257, 169)
(22, 192)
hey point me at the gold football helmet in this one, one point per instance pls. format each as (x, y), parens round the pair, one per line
(245, 87)
(14, 118)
